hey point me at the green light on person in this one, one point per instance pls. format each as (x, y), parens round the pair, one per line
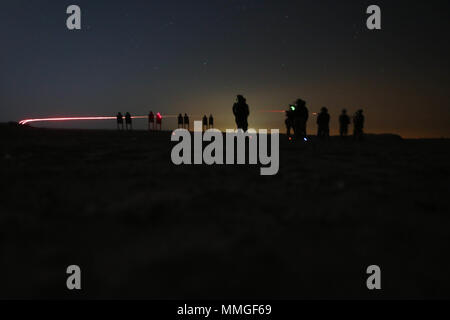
(292, 108)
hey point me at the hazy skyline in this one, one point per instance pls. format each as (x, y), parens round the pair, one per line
(178, 56)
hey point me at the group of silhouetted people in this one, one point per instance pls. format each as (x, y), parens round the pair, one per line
(297, 118)
(183, 122)
(323, 123)
(128, 122)
(207, 123)
(152, 124)
(153, 121)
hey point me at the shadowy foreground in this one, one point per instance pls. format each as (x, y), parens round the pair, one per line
(140, 227)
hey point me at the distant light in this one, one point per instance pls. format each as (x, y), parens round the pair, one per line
(306, 139)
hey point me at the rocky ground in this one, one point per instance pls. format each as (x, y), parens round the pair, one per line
(140, 227)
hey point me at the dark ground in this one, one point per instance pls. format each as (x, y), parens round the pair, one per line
(140, 227)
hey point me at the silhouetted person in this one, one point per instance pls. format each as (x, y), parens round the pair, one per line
(241, 112)
(323, 122)
(289, 120)
(205, 123)
(119, 121)
(211, 121)
(358, 125)
(151, 121)
(300, 119)
(128, 121)
(344, 122)
(186, 121)
(180, 121)
(159, 121)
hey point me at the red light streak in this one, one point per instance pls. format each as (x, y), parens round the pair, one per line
(272, 111)
(26, 121)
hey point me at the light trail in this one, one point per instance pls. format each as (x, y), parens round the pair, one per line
(26, 121)
(56, 119)
(272, 111)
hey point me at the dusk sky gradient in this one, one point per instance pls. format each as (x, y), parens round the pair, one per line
(195, 56)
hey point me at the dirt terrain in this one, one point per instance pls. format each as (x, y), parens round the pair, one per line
(140, 227)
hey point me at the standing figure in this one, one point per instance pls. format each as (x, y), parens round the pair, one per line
(211, 122)
(158, 121)
(344, 122)
(119, 121)
(186, 122)
(128, 121)
(180, 121)
(323, 122)
(358, 125)
(205, 123)
(290, 113)
(301, 116)
(151, 121)
(241, 112)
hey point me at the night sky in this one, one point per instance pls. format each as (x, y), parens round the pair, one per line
(195, 56)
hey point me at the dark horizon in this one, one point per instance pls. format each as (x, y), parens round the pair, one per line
(195, 57)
